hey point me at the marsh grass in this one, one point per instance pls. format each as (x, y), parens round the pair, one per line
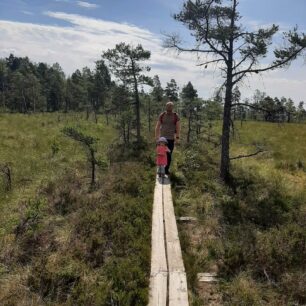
(253, 233)
(38, 152)
(62, 242)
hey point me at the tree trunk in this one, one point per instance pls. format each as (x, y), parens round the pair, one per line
(149, 115)
(137, 105)
(128, 133)
(225, 161)
(3, 97)
(34, 100)
(24, 103)
(124, 134)
(96, 117)
(225, 140)
(189, 127)
(87, 112)
(137, 113)
(93, 167)
(66, 105)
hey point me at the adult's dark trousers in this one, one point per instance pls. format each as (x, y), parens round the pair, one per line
(171, 147)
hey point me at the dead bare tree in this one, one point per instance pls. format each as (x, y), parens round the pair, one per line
(90, 144)
(7, 174)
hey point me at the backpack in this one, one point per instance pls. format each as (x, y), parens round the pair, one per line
(175, 117)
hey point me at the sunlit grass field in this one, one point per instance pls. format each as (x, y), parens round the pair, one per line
(37, 151)
(252, 232)
(284, 151)
(61, 241)
(285, 143)
(52, 169)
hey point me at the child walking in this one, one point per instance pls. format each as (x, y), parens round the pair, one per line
(161, 158)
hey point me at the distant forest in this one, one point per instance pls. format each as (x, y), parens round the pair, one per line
(28, 87)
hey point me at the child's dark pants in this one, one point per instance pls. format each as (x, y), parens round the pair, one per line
(171, 147)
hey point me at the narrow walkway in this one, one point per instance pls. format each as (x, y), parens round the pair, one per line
(168, 284)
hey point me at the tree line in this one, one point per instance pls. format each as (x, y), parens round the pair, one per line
(113, 88)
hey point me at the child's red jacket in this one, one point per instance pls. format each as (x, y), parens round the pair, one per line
(161, 158)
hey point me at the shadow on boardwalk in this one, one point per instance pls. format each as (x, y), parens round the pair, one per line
(164, 180)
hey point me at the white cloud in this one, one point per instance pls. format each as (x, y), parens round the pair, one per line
(27, 12)
(82, 42)
(87, 4)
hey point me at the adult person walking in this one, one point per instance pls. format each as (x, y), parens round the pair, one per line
(168, 126)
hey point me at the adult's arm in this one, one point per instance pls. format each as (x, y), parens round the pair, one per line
(178, 129)
(157, 130)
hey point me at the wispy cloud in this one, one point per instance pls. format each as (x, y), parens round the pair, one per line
(87, 4)
(99, 26)
(254, 24)
(27, 12)
(82, 42)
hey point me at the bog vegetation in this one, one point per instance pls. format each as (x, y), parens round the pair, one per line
(252, 234)
(65, 240)
(77, 175)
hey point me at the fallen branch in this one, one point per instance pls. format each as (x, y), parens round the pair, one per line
(249, 155)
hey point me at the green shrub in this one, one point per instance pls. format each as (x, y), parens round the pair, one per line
(279, 250)
(54, 277)
(243, 291)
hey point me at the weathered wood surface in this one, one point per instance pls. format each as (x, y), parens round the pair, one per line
(165, 241)
(207, 277)
(174, 253)
(159, 272)
(178, 294)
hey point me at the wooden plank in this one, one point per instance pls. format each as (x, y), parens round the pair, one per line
(187, 219)
(174, 253)
(158, 252)
(178, 294)
(158, 289)
(207, 277)
(159, 271)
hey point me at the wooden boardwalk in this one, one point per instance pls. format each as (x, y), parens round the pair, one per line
(168, 284)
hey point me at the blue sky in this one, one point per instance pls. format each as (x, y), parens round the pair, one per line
(74, 33)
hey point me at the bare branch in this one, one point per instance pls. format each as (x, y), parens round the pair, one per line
(209, 62)
(246, 71)
(173, 41)
(210, 43)
(280, 63)
(225, 46)
(242, 60)
(193, 50)
(249, 155)
(245, 34)
(238, 48)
